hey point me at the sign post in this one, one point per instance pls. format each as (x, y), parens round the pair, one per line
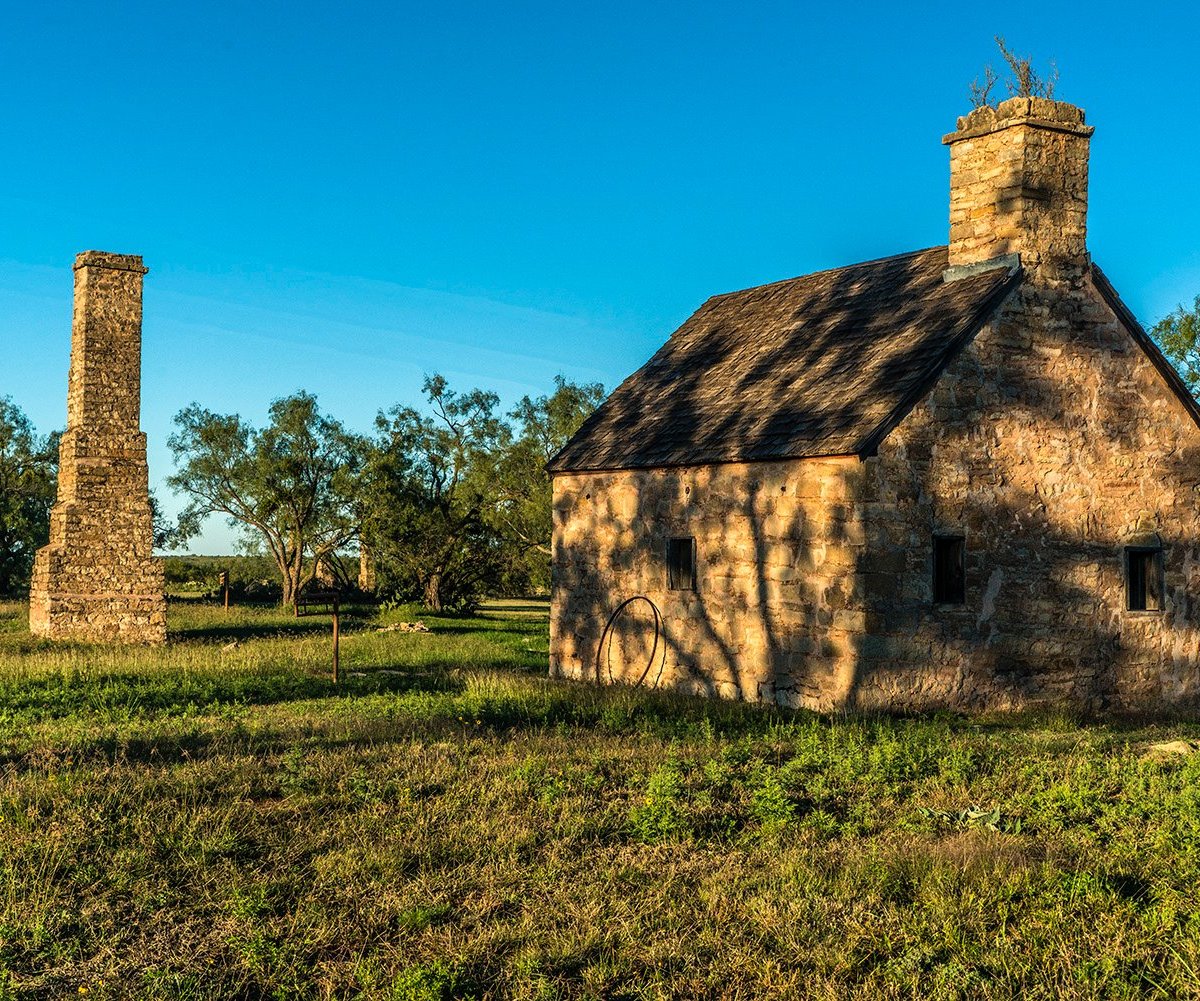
(332, 600)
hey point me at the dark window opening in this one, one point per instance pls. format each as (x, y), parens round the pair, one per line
(681, 564)
(1143, 580)
(949, 569)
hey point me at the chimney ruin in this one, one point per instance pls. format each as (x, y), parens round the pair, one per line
(97, 579)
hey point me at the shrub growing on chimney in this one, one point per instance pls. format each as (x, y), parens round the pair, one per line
(1025, 81)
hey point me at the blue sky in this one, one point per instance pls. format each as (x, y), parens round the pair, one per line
(343, 198)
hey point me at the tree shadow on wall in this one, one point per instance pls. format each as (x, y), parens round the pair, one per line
(1044, 452)
(1055, 631)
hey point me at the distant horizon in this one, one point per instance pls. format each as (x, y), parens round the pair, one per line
(346, 202)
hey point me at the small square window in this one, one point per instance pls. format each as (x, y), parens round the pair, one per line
(1143, 579)
(681, 564)
(949, 569)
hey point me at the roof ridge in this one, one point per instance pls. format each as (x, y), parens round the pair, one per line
(829, 271)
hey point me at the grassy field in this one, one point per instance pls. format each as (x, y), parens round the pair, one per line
(213, 820)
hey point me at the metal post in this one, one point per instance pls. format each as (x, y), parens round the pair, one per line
(336, 678)
(225, 587)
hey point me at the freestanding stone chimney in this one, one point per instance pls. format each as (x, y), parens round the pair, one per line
(1018, 185)
(97, 579)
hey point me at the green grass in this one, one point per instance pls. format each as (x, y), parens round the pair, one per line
(215, 821)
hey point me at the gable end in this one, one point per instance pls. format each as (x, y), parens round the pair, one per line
(1145, 342)
(987, 309)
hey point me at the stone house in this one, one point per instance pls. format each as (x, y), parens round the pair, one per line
(961, 477)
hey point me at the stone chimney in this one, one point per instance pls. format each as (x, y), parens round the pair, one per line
(1018, 185)
(97, 579)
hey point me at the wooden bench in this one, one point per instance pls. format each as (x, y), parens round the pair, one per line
(327, 601)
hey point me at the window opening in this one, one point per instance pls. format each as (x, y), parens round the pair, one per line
(949, 569)
(681, 564)
(1143, 579)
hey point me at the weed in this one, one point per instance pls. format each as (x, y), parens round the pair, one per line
(770, 803)
(661, 813)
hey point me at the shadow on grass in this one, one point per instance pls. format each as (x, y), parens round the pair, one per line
(305, 625)
(133, 695)
(1070, 721)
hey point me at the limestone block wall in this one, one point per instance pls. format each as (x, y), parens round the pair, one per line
(1019, 185)
(97, 579)
(775, 611)
(1051, 444)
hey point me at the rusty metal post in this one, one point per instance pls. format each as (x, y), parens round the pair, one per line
(225, 588)
(336, 677)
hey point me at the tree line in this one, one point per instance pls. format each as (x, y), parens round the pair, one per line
(452, 501)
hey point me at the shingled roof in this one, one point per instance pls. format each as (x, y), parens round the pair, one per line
(820, 365)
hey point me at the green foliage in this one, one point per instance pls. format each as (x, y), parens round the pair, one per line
(28, 470)
(251, 578)
(432, 982)
(455, 502)
(770, 803)
(661, 815)
(452, 503)
(520, 484)
(290, 486)
(425, 498)
(1178, 334)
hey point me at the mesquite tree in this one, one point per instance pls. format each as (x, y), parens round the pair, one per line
(427, 495)
(520, 486)
(290, 486)
(28, 478)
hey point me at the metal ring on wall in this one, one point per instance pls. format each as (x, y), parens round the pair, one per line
(604, 636)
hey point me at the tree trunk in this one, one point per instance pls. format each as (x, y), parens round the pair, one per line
(433, 592)
(289, 581)
(289, 589)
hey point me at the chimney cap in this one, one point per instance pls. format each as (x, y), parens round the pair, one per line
(1039, 112)
(114, 262)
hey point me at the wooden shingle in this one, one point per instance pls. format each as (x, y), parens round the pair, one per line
(820, 365)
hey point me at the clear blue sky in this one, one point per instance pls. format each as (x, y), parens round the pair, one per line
(342, 198)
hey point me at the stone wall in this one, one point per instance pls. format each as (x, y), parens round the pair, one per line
(1051, 444)
(97, 579)
(772, 615)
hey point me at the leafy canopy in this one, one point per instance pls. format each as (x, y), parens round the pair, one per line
(426, 495)
(28, 480)
(291, 486)
(1178, 334)
(522, 491)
